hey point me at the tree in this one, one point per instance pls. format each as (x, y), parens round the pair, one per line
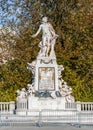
(72, 20)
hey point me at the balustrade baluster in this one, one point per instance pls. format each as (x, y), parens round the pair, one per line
(88, 107)
(6, 107)
(85, 107)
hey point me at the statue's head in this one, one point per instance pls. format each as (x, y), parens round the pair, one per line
(44, 19)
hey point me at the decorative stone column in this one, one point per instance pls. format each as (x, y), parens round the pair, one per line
(12, 107)
(78, 106)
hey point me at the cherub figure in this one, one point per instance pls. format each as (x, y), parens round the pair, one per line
(31, 90)
(21, 94)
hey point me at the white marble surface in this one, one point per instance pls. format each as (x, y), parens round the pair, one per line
(47, 75)
(35, 103)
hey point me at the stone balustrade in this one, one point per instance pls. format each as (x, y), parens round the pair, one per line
(85, 106)
(71, 106)
(79, 106)
(22, 104)
(77, 112)
(7, 107)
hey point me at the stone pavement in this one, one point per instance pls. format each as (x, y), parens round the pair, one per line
(62, 127)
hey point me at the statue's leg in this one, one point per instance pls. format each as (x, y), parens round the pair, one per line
(44, 50)
(44, 41)
(52, 53)
(44, 47)
(48, 46)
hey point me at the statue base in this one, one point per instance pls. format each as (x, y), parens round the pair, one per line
(36, 104)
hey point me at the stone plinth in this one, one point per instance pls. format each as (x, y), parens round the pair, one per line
(36, 103)
(46, 74)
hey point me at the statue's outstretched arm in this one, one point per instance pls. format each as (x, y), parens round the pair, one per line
(38, 31)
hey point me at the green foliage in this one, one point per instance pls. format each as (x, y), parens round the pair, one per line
(72, 20)
(14, 75)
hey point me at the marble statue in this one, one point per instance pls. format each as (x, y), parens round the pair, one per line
(31, 90)
(66, 91)
(31, 66)
(21, 94)
(48, 38)
(48, 90)
(60, 68)
(70, 98)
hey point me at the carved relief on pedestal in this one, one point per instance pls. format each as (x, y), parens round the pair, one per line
(46, 78)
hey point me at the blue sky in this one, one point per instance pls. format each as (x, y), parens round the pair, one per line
(4, 5)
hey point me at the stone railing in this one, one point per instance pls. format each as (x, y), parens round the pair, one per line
(22, 105)
(7, 107)
(71, 106)
(85, 106)
(79, 106)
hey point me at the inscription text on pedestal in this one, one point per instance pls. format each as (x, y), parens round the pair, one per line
(46, 78)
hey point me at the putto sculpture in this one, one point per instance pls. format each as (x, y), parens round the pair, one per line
(22, 94)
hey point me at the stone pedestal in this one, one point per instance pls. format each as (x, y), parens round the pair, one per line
(46, 74)
(35, 103)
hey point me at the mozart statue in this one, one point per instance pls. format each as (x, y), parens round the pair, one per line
(48, 37)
